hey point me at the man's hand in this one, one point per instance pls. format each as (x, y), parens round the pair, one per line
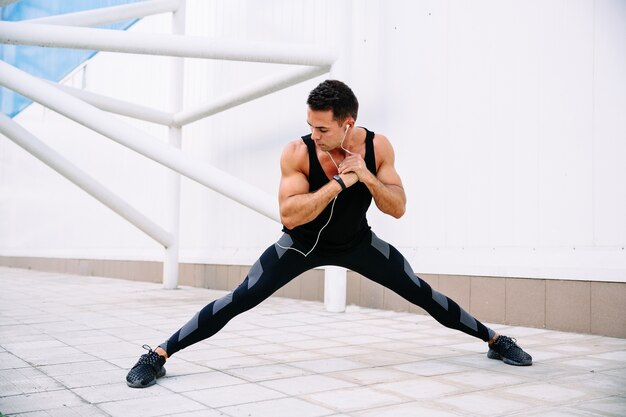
(354, 163)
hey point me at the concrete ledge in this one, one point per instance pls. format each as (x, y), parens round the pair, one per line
(592, 307)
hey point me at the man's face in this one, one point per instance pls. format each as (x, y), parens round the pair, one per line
(325, 131)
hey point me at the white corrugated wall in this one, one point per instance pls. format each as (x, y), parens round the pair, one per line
(507, 118)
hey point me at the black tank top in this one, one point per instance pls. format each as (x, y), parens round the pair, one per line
(349, 223)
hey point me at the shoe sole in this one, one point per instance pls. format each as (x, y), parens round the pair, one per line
(149, 384)
(493, 355)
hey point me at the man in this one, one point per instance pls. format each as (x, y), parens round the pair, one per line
(328, 180)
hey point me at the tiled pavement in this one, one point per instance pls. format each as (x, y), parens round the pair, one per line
(66, 343)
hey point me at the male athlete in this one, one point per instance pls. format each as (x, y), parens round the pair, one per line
(328, 180)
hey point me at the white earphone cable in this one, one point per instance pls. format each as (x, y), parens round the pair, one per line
(332, 208)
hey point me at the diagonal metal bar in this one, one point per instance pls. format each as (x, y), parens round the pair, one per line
(121, 107)
(105, 15)
(19, 33)
(134, 138)
(47, 155)
(258, 89)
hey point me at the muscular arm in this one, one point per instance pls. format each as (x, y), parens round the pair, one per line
(386, 186)
(298, 205)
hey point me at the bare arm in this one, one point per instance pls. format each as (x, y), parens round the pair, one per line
(298, 205)
(386, 186)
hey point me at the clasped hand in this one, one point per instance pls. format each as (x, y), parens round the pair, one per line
(355, 164)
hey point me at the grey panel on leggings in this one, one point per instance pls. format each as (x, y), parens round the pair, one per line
(380, 245)
(285, 241)
(189, 327)
(441, 299)
(255, 273)
(222, 302)
(468, 320)
(164, 346)
(409, 271)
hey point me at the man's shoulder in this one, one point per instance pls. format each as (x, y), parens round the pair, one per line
(295, 151)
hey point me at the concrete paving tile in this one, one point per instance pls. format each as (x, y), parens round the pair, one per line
(294, 356)
(329, 354)
(92, 378)
(431, 367)
(157, 406)
(481, 379)
(591, 364)
(118, 392)
(614, 406)
(233, 362)
(10, 361)
(19, 348)
(370, 376)
(360, 339)
(25, 381)
(306, 384)
(418, 388)
(77, 368)
(39, 401)
(179, 367)
(618, 356)
(201, 413)
(328, 365)
(208, 354)
(86, 410)
(340, 351)
(263, 348)
(312, 344)
(235, 342)
(284, 338)
(195, 382)
(407, 410)
(383, 358)
(266, 372)
(284, 407)
(597, 382)
(234, 395)
(56, 355)
(543, 392)
(353, 399)
(482, 404)
(555, 412)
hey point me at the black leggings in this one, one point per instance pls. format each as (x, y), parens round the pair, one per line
(372, 258)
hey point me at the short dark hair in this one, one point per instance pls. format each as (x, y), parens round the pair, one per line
(336, 96)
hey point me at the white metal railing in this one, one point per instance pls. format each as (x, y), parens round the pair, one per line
(89, 108)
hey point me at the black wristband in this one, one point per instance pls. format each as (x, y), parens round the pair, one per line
(340, 181)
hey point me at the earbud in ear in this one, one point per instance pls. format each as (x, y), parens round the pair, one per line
(347, 127)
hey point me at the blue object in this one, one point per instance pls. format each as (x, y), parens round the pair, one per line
(49, 63)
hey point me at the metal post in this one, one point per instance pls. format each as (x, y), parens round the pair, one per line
(335, 279)
(175, 134)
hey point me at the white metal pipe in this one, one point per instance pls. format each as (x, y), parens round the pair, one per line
(134, 138)
(335, 283)
(106, 15)
(175, 137)
(48, 156)
(248, 93)
(120, 107)
(19, 33)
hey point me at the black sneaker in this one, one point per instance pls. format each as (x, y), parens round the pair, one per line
(506, 349)
(148, 368)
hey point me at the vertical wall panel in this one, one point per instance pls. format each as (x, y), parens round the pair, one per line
(507, 118)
